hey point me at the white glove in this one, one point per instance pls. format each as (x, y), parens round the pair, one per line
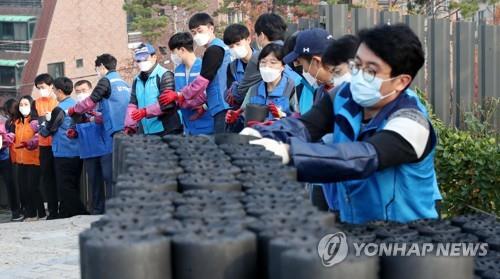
(48, 116)
(251, 132)
(278, 148)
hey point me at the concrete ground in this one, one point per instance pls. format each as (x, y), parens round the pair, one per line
(41, 249)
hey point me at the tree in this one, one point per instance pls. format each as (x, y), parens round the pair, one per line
(466, 8)
(151, 16)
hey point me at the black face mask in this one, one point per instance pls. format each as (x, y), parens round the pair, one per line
(297, 69)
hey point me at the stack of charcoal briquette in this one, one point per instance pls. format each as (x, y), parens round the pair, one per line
(186, 207)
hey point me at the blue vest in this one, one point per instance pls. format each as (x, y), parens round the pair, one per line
(237, 70)
(203, 125)
(4, 154)
(402, 193)
(280, 96)
(291, 74)
(306, 100)
(147, 94)
(62, 146)
(114, 108)
(217, 87)
(93, 140)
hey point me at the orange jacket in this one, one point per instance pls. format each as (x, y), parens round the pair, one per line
(25, 133)
(44, 105)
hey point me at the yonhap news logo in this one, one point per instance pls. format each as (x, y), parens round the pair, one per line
(334, 248)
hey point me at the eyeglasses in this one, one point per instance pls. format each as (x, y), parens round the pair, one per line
(368, 73)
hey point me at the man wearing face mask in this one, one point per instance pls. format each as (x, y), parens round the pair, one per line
(269, 28)
(237, 37)
(106, 104)
(44, 104)
(91, 147)
(188, 67)
(381, 157)
(66, 150)
(144, 107)
(309, 47)
(213, 76)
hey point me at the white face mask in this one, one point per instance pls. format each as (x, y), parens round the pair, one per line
(25, 111)
(269, 74)
(365, 93)
(343, 78)
(310, 79)
(201, 39)
(176, 59)
(82, 96)
(145, 66)
(239, 52)
(44, 92)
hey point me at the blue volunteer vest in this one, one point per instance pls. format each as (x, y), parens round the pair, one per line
(62, 146)
(4, 154)
(114, 108)
(147, 94)
(218, 86)
(291, 74)
(203, 125)
(306, 100)
(237, 70)
(280, 96)
(93, 140)
(402, 193)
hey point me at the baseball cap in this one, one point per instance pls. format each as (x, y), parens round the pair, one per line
(312, 42)
(142, 53)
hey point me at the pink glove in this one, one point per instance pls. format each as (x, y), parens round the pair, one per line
(129, 122)
(34, 125)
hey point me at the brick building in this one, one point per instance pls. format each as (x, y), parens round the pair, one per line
(61, 37)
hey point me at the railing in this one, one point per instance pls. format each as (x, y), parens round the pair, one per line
(21, 3)
(134, 37)
(23, 46)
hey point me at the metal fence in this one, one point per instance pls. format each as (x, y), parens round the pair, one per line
(462, 58)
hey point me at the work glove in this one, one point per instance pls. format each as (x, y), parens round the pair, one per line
(169, 96)
(199, 112)
(275, 111)
(278, 148)
(232, 116)
(138, 114)
(129, 131)
(71, 133)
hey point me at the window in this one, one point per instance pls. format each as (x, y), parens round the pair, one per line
(7, 76)
(56, 69)
(31, 29)
(79, 63)
(6, 30)
(20, 31)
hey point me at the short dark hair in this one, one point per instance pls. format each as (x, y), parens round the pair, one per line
(200, 19)
(235, 33)
(340, 51)
(43, 78)
(397, 45)
(64, 84)
(272, 25)
(107, 60)
(82, 82)
(275, 49)
(181, 39)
